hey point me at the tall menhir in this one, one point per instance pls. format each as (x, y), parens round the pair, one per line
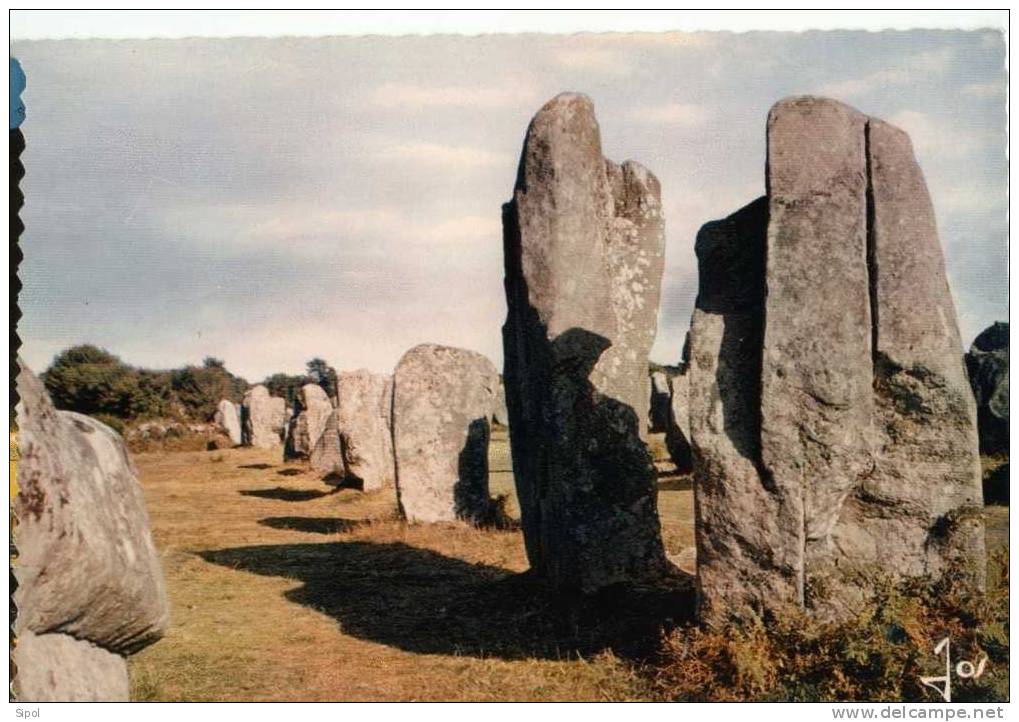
(834, 429)
(584, 249)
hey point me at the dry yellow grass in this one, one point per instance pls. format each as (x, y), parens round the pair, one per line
(281, 590)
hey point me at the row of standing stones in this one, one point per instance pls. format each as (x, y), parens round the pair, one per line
(423, 430)
(822, 404)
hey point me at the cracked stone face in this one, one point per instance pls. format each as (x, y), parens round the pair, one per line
(363, 410)
(442, 401)
(59, 668)
(228, 418)
(584, 246)
(834, 433)
(263, 418)
(90, 583)
(306, 427)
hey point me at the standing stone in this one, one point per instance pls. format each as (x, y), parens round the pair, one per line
(864, 461)
(279, 415)
(677, 423)
(736, 512)
(90, 584)
(327, 456)
(442, 399)
(500, 414)
(363, 408)
(228, 418)
(658, 414)
(308, 422)
(816, 371)
(920, 502)
(987, 363)
(584, 246)
(262, 418)
(59, 668)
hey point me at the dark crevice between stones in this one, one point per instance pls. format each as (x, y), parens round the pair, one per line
(872, 269)
(345, 479)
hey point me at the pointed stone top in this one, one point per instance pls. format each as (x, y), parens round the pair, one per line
(567, 114)
(568, 101)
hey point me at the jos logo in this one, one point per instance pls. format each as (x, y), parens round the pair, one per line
(964, 670)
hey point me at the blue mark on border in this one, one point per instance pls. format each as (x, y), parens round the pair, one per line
(17, 86)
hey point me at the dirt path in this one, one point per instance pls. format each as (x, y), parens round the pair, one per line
(281, 590)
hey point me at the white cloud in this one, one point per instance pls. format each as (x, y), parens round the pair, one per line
(855, 87)
(907, 70)
(985, 90)
(313, 231)
(937, 138)
(593, 59)
(396, 95)
(456, 157)
(962, 198)
(687, 115)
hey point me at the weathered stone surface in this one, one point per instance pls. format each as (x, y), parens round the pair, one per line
(308, 422)
(815, 410)
(327, 456)
(363, 409)
(263, 418)
(918, 508)
(736, 513)
(86, 563)
(59, 668)
(658, 413)
(279, 415)
(865, 461)
(584, 246)
(228, 417)
(442, 400)
(987, 363)
(677, 423)
(500, 414)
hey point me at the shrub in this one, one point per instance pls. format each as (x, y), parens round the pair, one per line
(286, 386)
(112, 421)
(877, 656)
(90, 380)
(93, 381)
(198, 389)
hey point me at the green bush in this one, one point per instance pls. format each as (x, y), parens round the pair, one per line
(112, 421)
(199, 389)
(90, 380)
(286, 386)
(93, 381)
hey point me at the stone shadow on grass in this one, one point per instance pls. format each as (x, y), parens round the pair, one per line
(282, 493)
(675, 482)
(311, 524)
(421, 601)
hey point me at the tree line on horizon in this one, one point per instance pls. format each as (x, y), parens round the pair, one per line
(91, 380)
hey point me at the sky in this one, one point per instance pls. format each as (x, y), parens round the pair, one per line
(265, 201)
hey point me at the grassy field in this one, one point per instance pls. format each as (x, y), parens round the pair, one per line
(282, 589)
